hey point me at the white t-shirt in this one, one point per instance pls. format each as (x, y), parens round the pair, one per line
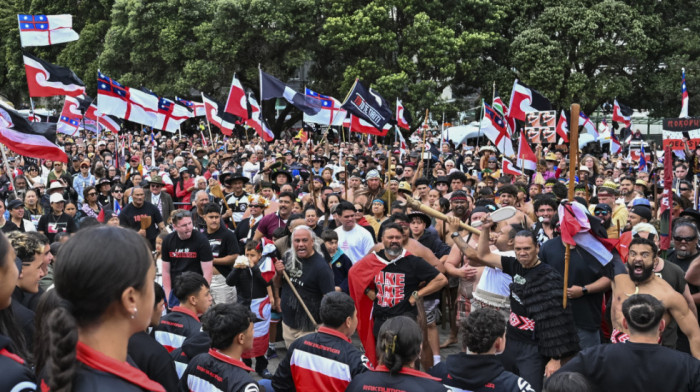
(355, 243)
(496, 281)
(250, 169)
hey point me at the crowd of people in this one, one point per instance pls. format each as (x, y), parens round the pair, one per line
(186, 264)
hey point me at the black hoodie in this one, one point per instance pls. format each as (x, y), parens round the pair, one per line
(15, 375)
(478, 373)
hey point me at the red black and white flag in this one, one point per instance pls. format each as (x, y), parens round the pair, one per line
(563, 128)
(19, 136)
(237, 102)
(510, 168)
(526, 158)
(257, 122)
(403, 118)
(46, 80)
(359, 125)
(217, 116)
(622, 114)
(523, 99)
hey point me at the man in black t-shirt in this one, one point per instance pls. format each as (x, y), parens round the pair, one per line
(311, 277)
(540, 332)
(397, 285)
(224, 249)
(183, 250)
(139, 208)
(56, 221)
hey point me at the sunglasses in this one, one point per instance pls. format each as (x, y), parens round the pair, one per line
(92, 194)
(686, 239)
(604, 213)
(254, 206)
(117, 191)
(684, 189)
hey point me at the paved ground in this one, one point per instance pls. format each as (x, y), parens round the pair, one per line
(282, 350)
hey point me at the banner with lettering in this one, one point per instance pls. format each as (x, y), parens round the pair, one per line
(675, 129)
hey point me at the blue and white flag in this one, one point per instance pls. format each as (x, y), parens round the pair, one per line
(642, 160)
(43, 30)
(588, 125)
(368, 105)
(271, 87)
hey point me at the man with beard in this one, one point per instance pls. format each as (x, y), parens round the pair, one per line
(507, 197)
(627, 192)
(540, 332)
(638, 214)
(390, 278)
(641, 262)
(235, 197)
(545, 208)
(604, 213)
(641, 364)
(374, 189)
(459, 204)
(312, 279)
(269, 223)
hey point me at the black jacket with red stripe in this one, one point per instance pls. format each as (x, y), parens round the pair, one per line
(98, 372)
(214, 371)
(177, 326)
(15, 375)
(321, 361)
(407, 380)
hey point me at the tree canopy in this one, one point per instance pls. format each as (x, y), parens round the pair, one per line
(569, 50)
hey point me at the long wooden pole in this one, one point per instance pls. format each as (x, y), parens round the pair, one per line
(417, 205)
(301, 301)
(425, 129)
(573, 158)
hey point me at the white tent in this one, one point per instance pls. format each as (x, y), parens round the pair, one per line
(585, 138)
(461, 133)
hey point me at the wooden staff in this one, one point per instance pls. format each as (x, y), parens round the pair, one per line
(388, 181)
(573, 157)
(296, 294)
(417, 205)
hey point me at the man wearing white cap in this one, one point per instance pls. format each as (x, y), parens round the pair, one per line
(56, 221)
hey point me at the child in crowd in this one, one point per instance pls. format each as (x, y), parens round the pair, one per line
(338, 261)
(252, 276)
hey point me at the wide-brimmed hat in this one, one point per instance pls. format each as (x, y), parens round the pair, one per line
(238, 176)
(56, 185)
(103, 181)
(404, 186)
(550, 157)
(56, 198)
(421, 215)
(286, 173)
(158, 180)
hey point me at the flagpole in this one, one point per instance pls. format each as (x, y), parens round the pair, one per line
(478, 138)
(179, 131)
(425, 129)
(8, 171)
(573, 158)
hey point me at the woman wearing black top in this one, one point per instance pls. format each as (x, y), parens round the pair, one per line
(15, 375)
(103, 305)
(398, 348)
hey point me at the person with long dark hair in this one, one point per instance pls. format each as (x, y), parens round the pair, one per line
(103, 305)
(398, 347)
(15, 375)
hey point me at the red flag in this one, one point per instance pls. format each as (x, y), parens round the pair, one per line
(510, 168)
(237, 104)
(666, 200)
(46, 80)
(359, 125)
(70, 118)
(217, 117)
(401, 121)
(563, 128)
(622, 114)
(257, 122)
(361, 277)
(19, 136)
(527, 158)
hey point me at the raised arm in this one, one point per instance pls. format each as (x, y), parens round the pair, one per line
(483, 255)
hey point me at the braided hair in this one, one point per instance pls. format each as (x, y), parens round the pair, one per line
(90, 279)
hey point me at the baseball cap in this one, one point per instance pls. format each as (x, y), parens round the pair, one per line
(56, 198)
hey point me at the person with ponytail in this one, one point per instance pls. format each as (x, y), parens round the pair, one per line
(398, 348)
(107, 296)
(16, 376)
